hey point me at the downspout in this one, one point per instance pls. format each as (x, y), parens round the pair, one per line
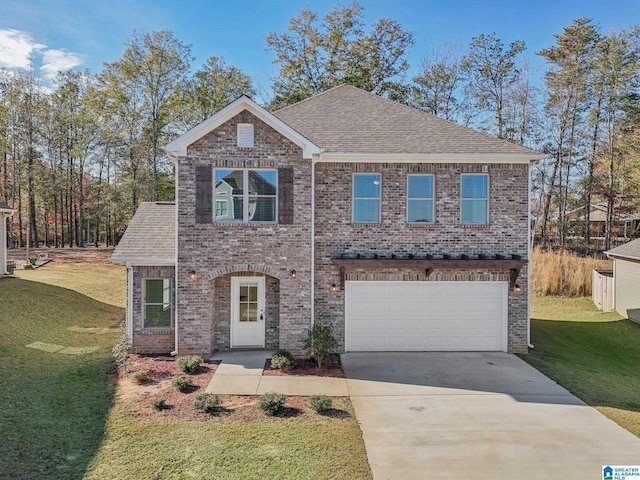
(129, 301)
(529, 257)
(3, 238)
(175, 268)
(314, 159)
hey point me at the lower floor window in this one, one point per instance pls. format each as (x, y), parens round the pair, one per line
(158, 304)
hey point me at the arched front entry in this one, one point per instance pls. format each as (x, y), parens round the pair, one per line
(246, 311)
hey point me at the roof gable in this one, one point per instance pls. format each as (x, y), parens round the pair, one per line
(178, 147)
(348, 120)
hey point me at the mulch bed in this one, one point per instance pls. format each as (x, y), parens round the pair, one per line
(135, 399)
(305, 366)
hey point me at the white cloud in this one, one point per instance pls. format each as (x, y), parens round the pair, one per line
(54, 61)
(17, 48)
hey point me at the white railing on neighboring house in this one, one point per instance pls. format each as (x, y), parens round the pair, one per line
(602, 289)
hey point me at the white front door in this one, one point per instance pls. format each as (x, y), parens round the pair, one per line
(247, 311)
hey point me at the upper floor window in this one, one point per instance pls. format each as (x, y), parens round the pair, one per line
(420, 199)
(158, 302)
(246, 196)
(474, 199)
(366, 198)
(245, 135)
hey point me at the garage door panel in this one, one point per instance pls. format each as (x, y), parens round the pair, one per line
(421, 316)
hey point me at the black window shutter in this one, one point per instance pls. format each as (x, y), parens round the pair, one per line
(285, 196)
(204, 194)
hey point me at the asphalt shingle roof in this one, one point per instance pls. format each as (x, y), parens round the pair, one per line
(4, 206)
(628, 250)
(150, 234)
(346, 119)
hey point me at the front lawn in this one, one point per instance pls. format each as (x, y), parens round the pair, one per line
(62, 416)
(55, 355)
(593, 354)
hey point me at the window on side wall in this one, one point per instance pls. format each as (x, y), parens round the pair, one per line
(474, 199)
(158, 303)
(420, 199)
(246, 196)
(366, 197)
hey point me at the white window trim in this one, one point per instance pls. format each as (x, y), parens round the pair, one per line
(243, 134)
(145, 303)
(245, 196)
(432, 198)
(353, 199)
(471, 199)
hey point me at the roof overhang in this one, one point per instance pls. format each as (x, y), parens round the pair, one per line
(334, 157)
(178, 147)
(7, 212)
(144, 262)
(615, 256)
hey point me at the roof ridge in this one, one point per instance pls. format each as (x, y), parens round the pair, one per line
(315, 95)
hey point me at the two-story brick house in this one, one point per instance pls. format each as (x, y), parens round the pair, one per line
(400, 230)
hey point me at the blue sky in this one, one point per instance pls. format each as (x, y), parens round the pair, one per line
(54, 34)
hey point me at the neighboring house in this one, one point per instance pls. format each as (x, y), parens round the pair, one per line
(5, 212)
(626, 279)
(623, 224)
(400, 230)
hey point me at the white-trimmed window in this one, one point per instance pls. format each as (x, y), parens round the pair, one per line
(158, 302)
(246, 196)
(245, 135)
(420, 199)
(474, 199)
(366, 197)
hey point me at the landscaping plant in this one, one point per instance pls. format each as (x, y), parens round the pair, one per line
(282, 359)
(190, 363)
(320, 403)
(141, 376)
(320, 343)
(182, 383)
(207, 403)
(272, 403)
(159, 404)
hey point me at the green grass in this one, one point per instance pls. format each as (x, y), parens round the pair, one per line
(60, 419)
(54, 398)
(594, 355)
(278, 448)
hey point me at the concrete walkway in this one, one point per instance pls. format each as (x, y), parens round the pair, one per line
(240, 373)
(477, 415)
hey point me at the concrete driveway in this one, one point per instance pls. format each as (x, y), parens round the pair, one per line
(477, 415)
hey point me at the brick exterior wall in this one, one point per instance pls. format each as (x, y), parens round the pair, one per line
(218, 251)
(336, 234)
(149, 341)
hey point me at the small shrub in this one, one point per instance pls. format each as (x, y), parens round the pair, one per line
(182, 383)
(122, 349)
(320, 403)
(207, 403)
(320, 343)
(141, 376)
(282, 359)
(272, 403)
(189, 364)
(159, 404)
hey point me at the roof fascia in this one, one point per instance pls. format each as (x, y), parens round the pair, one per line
(144, 262)
(428, 157)
(178, 147)
(622, 257)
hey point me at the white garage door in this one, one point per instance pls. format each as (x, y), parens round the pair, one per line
(426, 316)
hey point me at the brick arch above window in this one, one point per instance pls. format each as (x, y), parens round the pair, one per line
(247, 267)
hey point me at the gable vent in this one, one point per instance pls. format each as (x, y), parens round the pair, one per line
(245, 135)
